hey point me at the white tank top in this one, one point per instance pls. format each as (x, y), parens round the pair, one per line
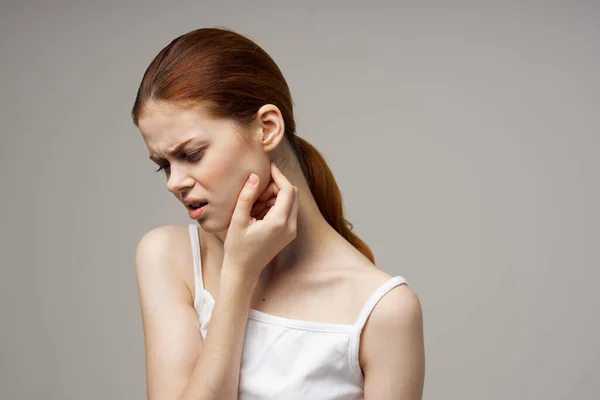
(292, 359)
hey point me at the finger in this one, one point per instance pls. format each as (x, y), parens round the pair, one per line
(280, 180)
(258, 208)
(293, 218)
(280, 211)
(283, 202)
(262, 214)
(246, 198)
(270, 191)
(270, 202)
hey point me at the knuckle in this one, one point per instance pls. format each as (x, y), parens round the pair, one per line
(279, 224)
(246, 196)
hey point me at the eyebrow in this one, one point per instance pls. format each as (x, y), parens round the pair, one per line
(176, 149)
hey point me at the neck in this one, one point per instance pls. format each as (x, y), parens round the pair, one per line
(313, 233)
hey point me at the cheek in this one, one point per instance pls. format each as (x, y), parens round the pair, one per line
(227, 174)
(224, 181)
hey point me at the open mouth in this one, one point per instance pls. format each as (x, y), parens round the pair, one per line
(197, 205)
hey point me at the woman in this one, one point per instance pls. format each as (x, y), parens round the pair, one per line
(295, 289)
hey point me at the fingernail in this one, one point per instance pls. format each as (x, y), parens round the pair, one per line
(253, 179)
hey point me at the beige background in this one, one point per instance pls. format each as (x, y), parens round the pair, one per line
(464, 136)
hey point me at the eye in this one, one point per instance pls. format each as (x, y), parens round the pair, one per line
(192, 157)
(195, 156)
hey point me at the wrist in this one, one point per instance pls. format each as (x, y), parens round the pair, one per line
(234, 274)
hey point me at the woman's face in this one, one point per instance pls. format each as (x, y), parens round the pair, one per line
(213, 161)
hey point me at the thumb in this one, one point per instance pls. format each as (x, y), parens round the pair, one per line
(246, 199)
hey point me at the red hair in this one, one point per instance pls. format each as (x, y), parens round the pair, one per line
(233, 77)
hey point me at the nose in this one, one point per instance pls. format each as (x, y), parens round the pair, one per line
(179, 180)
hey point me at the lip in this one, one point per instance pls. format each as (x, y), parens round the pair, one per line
(189, 202)
(197, 213)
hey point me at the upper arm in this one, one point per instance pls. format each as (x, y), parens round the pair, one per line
(393, 347)
(171, 328)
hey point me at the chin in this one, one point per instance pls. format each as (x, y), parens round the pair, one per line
(213, 225)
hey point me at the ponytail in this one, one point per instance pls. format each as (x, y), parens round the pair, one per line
(327, 193)
(233, 76)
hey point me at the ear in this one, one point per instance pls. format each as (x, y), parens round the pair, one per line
(270, 127)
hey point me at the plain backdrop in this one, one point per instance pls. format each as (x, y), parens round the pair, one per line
(464, 136)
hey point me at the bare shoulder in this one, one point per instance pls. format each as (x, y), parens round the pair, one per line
(364, 278)
(392, 346)
(163, 240)
(398, 307)
(171, 327)
(168, 248)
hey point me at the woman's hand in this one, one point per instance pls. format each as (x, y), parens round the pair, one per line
(265, 201)
(252, 243)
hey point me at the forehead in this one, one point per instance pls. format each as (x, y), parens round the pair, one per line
(164, 128)
(163, 124)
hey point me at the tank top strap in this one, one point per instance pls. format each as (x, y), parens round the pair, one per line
(198, 283)
(362, 319)
(374, 299)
